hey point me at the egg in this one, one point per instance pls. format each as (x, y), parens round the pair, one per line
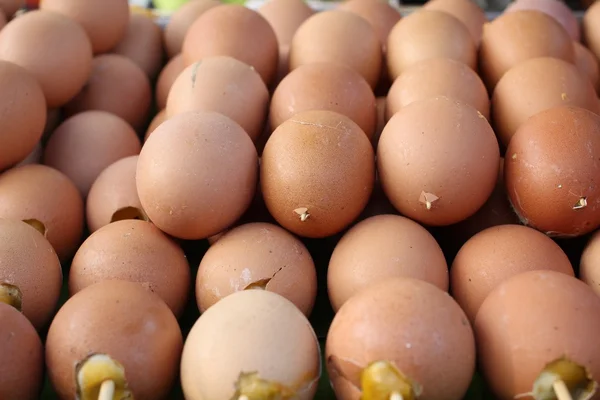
(403, 337)
(338, 36)
(49, 200)
(590, 30)
(551, 168)
(325, 86)
(180, 21)
(105, 22)
(225, 85)
(35, 157)
(438, 171)
(253, 344)
(158, 119)
(434, 77)
(22, 114)
(589, 266)
(166, 78)
(22, 367)
(556, 9)
(114, 331)
(518, 36)
(285, 16)
(381, 248)
(317, 173)
(535, 85)
(10, 7)
(257, 255)
(587, 63)
(236, 31)
(466, 11)
(197, 174)
(380, 105)
(428, 34)
(555, 318)
(118, 86)
(53, 48)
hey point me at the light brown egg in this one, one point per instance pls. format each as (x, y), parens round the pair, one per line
(587, 63)
(236, 31)
(114, 330)
(166, 78)
(536, 85)
(317, 173)
(3, 18)
(180, 21)
(105, 22)
(428, 34)
(48, 199)
(589, 266)
(556, 9)
(249, 343)
(142, 44)
(381, 248)
(88, 142)
(438, 170)
(22, 114)
(35, 157)
(117, 85)
(434, 77)
(325, 86)
(518, 36)
(466, 11)
(590, 29)
(197, 174)
(53, 48)
(257, 255)
(22, 367)
(338, 36)
(535, 328)
(495, 255)
(10, 7)
(113, 195)
(285, 16)
(405, 337)
(158, 119)
(225, 85)
(551, 168)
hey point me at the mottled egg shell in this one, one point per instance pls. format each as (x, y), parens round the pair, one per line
(53, 48)
(197, 174)
(556, 9)
(256, 333)
(466, 11)
(123, 320)
(496, 254)
(410, 323)
(46, 195)
(257, 255)
(317, 173)
(587, 62)
(180, 21)
(551, 168)
(380, 248)
(438, 171)
(22, 367)
(166, 78)
(550, 314)
(325, 86)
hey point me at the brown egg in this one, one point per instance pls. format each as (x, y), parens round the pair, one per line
(536, 85)
(518, 36)
(54, 117)
(114, 330)
(166, 78)
(10, 7)
(117, 85)
(104, 21)
(29, 263)
(428, 34)
(3, 18)
(22, 114)
(434, 77)
(48, 199)
(466, 11)
(317, 173)
(590, 28)
(551, 168)
(400, 337)
(380, 104)
(438, 170)
(589, 267)
(197, 174)
(381, 248)
(285, 16)
(257, 255)
(495, 255)
(113, 196)
(251, 343)
(158, 119)
(35, 157)
(225, 85)
(325, 86)
(142, 44)
(53, 48)
(236, 31)
(180, 21)
(22, 367)
(535, 328)
(338, 36)
(587, 63)
(88, 142)
(556, 9)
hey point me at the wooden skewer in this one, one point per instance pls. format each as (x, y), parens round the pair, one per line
(107, 390)
(561, 390)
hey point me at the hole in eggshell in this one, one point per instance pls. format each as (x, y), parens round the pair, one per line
(129, 213)
(260, 284)
(37, 224)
